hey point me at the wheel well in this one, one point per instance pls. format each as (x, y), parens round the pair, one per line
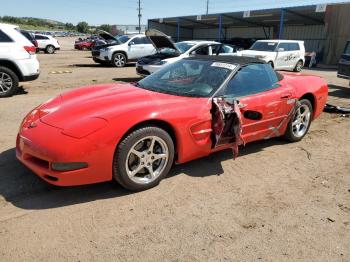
(272, 64)
(13, 67)
(311, 98)
(123, 52)
(156, 123)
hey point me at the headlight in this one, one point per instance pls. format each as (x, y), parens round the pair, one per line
(160, 62)
(85, 127)
(103, 49)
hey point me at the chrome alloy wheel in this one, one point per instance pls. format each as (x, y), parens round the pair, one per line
(147, 159)
(6, 82)
(301, 121)
(119, 60)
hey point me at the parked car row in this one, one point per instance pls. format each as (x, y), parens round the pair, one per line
(153, 50)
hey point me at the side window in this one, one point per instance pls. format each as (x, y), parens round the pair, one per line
(294, 47)
(138, 40)
(204, 50)
(39, 37)
(4, 38)
(252, 79)
(285, 46)
(146, 41)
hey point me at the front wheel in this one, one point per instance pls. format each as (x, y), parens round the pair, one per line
(143, 158)
(300, 123)
(119, 60)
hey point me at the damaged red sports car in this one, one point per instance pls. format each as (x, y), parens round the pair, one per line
(133, 133)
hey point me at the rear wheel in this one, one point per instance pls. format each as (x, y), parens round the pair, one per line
(119, 60)
(298, 67)
(8, 82)
(143, 158)
(50, 49)
(300, 123)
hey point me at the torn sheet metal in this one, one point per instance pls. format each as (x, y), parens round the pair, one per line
(227, 123)
(276, 131)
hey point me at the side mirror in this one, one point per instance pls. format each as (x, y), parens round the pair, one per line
(280, 49)
(252, 115)
(131, 43)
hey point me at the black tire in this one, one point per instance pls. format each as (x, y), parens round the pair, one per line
(122, 152)
(119, 57)
(6, 73)
(290, 135)
(50, 49)
(299, 66)
(105, 63)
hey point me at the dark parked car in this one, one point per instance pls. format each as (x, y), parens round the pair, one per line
(30, 37)
(344, 63)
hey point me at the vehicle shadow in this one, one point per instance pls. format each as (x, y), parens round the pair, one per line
(23, 189)
(99, 65)
(339, 91)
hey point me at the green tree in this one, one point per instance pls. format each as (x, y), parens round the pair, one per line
(83, 27)
(106, 27)
(69, 26)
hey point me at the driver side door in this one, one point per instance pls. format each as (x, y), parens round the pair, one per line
(263, 101)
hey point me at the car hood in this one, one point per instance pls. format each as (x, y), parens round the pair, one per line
(106, 102)
(106, 36)
(160, 40)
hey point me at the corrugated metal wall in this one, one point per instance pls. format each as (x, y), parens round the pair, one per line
(314, 36)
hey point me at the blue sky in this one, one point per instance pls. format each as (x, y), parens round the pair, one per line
(124, 12)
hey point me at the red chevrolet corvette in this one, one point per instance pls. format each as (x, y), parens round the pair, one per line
(134, 132)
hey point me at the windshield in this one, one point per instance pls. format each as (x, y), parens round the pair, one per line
(123, 39)
(264, 46)
(183, 46)
(194, 78)
(347, 49)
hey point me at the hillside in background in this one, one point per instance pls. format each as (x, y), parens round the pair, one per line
(37, 23)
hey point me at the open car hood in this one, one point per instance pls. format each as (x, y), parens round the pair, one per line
(106, 36)
(160, 40)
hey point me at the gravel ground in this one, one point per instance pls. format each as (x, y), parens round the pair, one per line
(276, 202)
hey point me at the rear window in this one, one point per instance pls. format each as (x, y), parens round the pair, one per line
(4, 38)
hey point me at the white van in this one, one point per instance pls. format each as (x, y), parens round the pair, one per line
(281, 54)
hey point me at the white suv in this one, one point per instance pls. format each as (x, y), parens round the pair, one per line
(281, 54)
(47, 43)
(18, 61)
(128, 49)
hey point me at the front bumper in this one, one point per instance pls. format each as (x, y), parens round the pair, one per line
(40, 146)
(145, 70)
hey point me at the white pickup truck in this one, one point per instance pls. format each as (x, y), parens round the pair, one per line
(281, 54)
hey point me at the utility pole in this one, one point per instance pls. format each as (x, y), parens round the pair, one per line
(207, 6)
(139, 9)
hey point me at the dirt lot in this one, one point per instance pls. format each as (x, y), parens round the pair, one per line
(275, 202)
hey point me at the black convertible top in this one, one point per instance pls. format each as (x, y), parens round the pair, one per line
(230, 59)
